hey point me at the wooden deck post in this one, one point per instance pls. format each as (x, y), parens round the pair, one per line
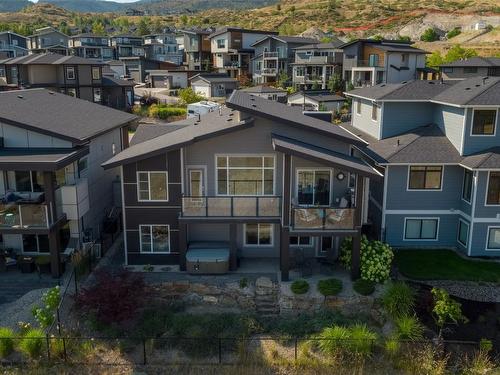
(182, 245)
(233, 249)
(285, 253)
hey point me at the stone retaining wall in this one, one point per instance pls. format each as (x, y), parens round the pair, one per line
(264, 297)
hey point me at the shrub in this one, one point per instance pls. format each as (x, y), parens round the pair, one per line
(300, 286)
(429, 35)
(453, 33)
(45, 314)
(362, 339)
(392, 346)
(188, 96)
(409, 328)
(6, 342)
(243, 283)
(113, 297)
(398, 299)
(364, 287)
(32, 343)
(446, 310)
(485, 345)
(479, 364)
(330, 287)
(333, 339)
(376, 258)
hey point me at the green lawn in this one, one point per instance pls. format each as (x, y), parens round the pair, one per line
(445, 265)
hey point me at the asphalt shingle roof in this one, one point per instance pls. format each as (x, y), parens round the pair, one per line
(60, 115)
(288, 39)
(145, 132)
(489, 159)
(49, 59)
(472, 91)
(334, 44)
(263, 89)
(214, 78)
(239, 29)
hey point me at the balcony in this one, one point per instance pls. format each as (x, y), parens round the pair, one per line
(372, 63)
(269, 71)
(310, 59)
(231, 206)
(23, 216)
(322, 218)
(270, 55)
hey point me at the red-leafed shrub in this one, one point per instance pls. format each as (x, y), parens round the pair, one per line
(114, 297)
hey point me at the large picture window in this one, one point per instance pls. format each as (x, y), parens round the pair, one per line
(493, 193)
(154, 238)
(300, 241)
(258, 234)
(484, 122)
(467, 186)
(421, 229)
(313, 187)
(493, 238)
(425, 178)
(152, 186)
(245, 175)
(36, 243)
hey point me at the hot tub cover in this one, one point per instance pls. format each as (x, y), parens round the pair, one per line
(208, 255)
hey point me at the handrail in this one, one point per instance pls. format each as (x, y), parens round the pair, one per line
(231, 206)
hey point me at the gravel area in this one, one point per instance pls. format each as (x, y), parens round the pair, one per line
(481, 292)
(20, 310)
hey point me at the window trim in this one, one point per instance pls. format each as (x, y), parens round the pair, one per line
(67, 69)
(151, 234)
(245, 244)
(488, 230)
(86, 159)
(471, 188)
(374, 106)
(421, 218)
(427, 165)
(466, 244)
(149, 187)
(314, 169)
(472, 122)
(486, 204)
(37, 237)
(216, 181)
(94, 68)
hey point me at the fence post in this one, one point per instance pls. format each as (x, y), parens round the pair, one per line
(144, 360)
(64, 348)
(76, 281)
(220, 350)
(47, 340)
(295, 349)
(58, 321)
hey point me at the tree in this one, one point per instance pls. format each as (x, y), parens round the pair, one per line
(429, 35)
(98, 28)
(283, 79)
(377, 37)
(404, 38)
(315, 85)
(434, 60)
(456, 53)
(335, 83)
(278, 7)
(452, 33)
(184, 19)
(143, 28)
(332, 6)
(188, 96)
(446, 310)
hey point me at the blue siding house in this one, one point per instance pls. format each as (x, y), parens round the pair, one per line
(438, 143)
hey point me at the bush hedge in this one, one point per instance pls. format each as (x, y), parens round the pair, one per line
(32, 343)
(364, 287)
(398, 299)
(330, 287)
(6, 342)
(300, 286)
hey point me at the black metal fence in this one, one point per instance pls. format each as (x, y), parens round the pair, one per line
(205, 351)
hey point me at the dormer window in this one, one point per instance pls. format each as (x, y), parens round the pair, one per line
(483, 122)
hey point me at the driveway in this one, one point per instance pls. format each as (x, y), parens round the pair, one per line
(14, 284)
(160, 94)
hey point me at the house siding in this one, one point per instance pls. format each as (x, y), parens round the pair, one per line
(450, 120)
(401, 117)
(474, 143)
(363, 121)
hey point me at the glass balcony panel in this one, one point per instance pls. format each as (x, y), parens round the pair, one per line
(269, 206)
(339, 218)
(33, 215)
(244, 206)
(9, 215)
(194, 206)
(219, 206)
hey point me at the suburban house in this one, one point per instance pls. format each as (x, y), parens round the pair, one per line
(471, 67)
(12, 45)
(197, 49)
(256, 179)
(267, 92)
(438, 143)
(232, 49)
(170, 79)
(71, 75)
(367, 62)
(136, 67)
(126, 46)
(315, 63)
(317, 100)
(55, 195)
(91, 46)
(274, 55)
(47, 39)
(213, 85)
(163, 47)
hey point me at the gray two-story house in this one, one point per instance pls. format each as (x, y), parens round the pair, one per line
(438, 144)
(367, 62)
(48, 40)
(197, 51)
(54, 194)
(91, 46)
(274, 55)
(257, 179)
(163, 47)
(125, 45)
(12, 45)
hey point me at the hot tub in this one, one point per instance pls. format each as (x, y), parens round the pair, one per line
(207, 258)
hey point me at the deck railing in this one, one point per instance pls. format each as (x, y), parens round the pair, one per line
(231, 206)
(322, 218)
